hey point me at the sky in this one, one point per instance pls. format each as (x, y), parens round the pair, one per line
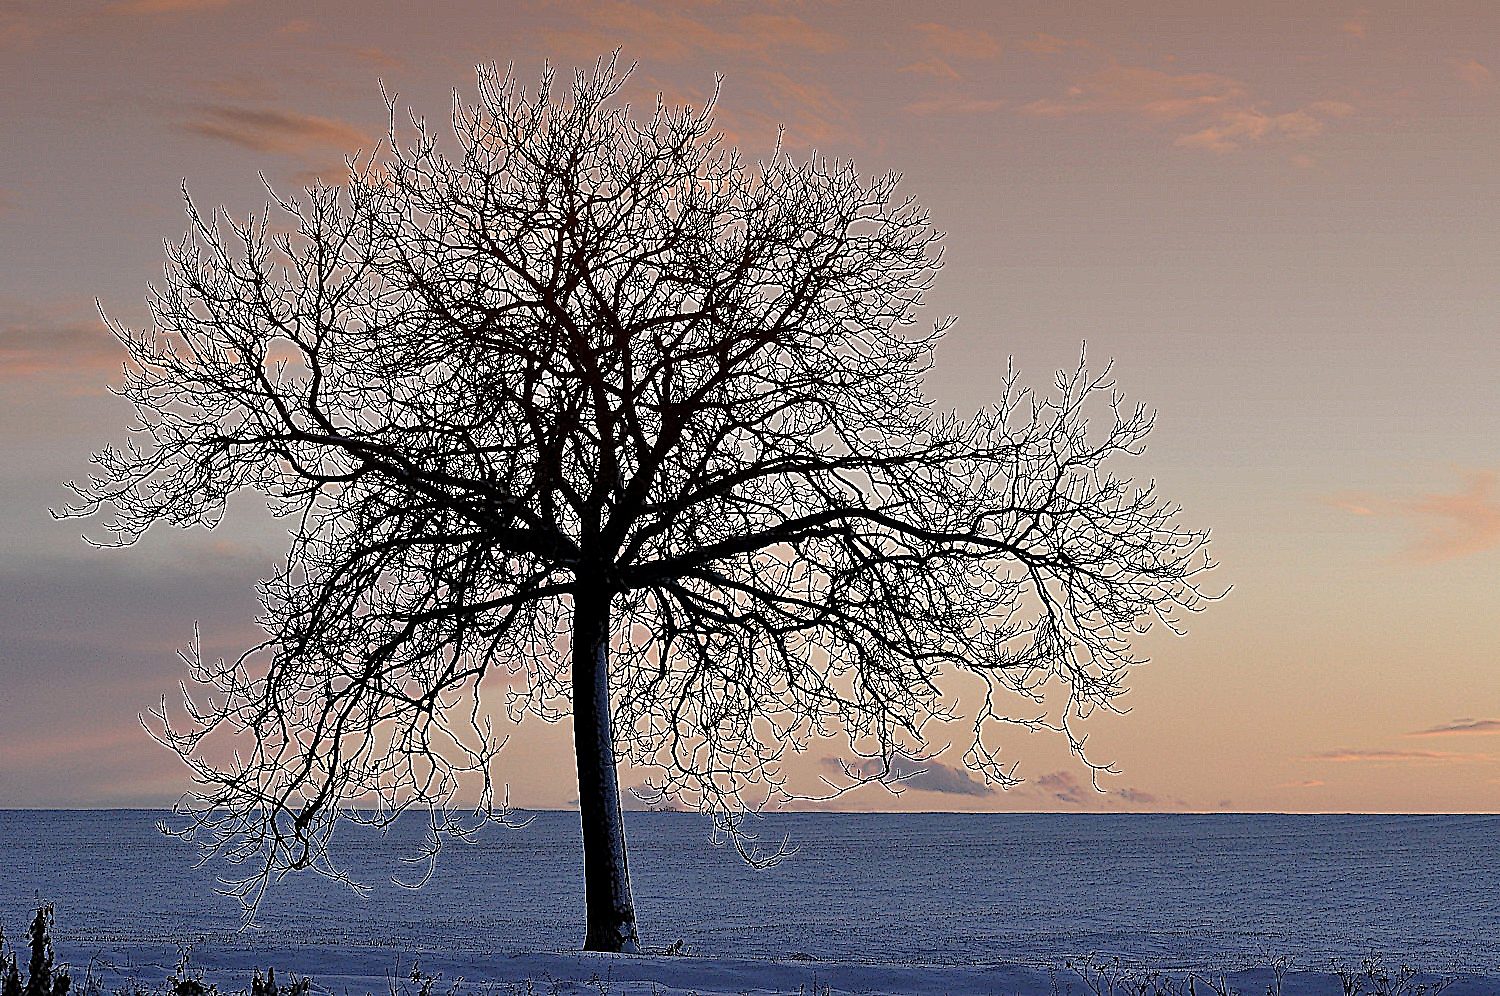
(1280, 220)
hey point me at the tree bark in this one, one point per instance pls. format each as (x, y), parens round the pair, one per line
(606, 874)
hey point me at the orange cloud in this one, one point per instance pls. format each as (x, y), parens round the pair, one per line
(165, 6)
(1356, 27)
(1458, 524)
(810, 111)
(370, 55)
(941, 46)
(1218, 112)
(668, 33)
(1473, 72)
(1045, 44)
(272, 130)
(955, 105)
(931, 67)
(953, 43)
(16, 29)
(1305, 783)
(1461, 727)
(34, 343)
(1235, 128)
(1354, 506)
(785, 31)
(1351, 755)
(1139, 90)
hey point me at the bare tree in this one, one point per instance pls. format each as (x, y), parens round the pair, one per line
(600, 417)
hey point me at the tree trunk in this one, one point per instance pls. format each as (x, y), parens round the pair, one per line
(606, 876)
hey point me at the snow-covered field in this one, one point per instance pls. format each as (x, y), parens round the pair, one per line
(358, 973)
(872, 904)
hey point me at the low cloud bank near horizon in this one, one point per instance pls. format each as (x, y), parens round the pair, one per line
(929, 775)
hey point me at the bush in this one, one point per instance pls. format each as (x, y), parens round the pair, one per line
(42, 977)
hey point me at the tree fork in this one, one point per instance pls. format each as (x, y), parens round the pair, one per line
(606, 873)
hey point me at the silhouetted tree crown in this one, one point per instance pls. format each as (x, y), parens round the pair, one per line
(601, 418)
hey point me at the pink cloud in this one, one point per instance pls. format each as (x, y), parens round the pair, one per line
(1064, 786)
(1303, 784)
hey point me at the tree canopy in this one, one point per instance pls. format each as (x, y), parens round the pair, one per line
(595, 417)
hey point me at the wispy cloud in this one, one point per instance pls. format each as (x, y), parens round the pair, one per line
(931, 67)
(1354, 506)
(1305, 783)
(940, 48)
(166, 6)
(955, 104)
(670, 32)
(275, 130)
(1460, 524)
(1461, 728)
(812, 113)
(1140, 91)
(784, 31)
(1206, 111)
(957, 43)
(1353, 755)
(1235, 128)
(37, 342)
(372, 55)
(1473, 72)
(1045, 44)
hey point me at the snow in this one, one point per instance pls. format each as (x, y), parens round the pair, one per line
(873, 903)
(357, 974)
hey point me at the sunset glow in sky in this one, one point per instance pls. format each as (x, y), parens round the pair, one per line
(1280, 219)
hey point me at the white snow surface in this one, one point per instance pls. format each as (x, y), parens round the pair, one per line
(873, 903)
(336, 973)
